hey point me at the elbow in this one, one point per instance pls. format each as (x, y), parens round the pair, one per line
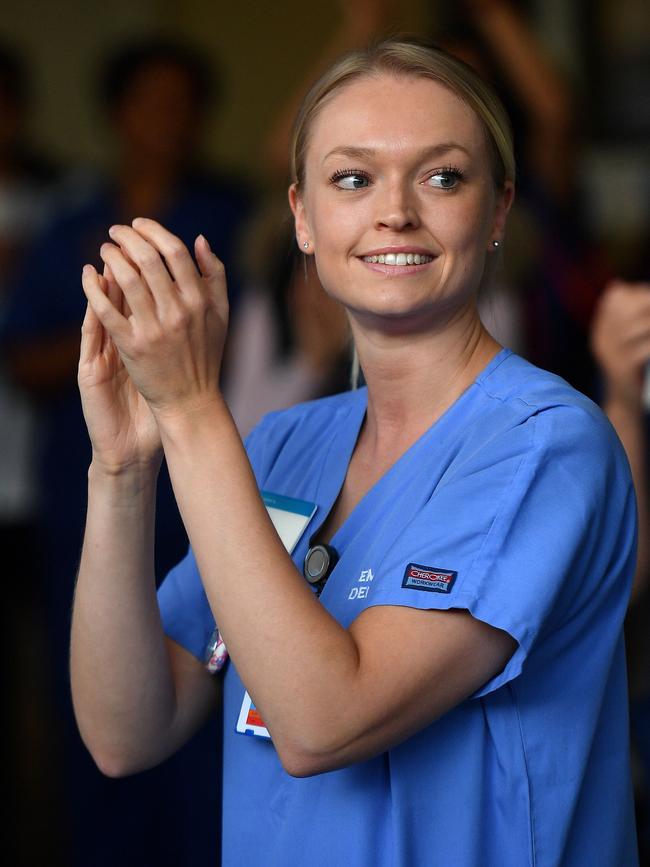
(308, 758)
(111, 766)
(114, 761)
(114, 764)
(301, 764)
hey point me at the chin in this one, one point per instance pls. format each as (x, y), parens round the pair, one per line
(397, 318)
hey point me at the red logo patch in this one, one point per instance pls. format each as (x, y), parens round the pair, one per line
(428, 578)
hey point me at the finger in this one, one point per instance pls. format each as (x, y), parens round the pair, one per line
(175, 252)
(116, 294)
(113, 291)
(148, 261)
(130, 282)
(92, 335)
(103, 284)
(642, 351)
(110, 318)
(212, 269)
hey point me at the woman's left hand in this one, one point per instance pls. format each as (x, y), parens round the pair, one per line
(172, 341)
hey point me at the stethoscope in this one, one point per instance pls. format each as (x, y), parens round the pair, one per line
(320, 560)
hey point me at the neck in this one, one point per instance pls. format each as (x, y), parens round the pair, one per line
(413, 380)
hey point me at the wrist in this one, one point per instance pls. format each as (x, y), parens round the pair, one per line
(623, 396)
(186, 421)
(129, 479)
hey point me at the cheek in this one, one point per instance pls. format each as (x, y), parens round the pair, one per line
(336, 230)
(465, 225)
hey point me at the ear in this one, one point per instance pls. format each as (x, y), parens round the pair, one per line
(503, 203)
(297, 205)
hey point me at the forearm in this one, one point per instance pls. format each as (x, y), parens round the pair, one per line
(297, 662)
(122, 687)
(522, 60)
(628, 422)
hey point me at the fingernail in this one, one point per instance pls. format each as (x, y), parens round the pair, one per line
(137, 220)
(86, 269)
(112, 230)
(205, 241)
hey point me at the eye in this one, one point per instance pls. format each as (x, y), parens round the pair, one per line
(445, 179)
(350, 179)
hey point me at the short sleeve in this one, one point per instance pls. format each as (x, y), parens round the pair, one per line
(184, 608)
(535, 528)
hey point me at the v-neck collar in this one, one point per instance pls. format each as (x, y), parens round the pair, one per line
(337, 460)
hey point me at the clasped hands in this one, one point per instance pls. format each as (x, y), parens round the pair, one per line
(152, 339)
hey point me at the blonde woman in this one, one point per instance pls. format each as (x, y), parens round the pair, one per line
(450, 689)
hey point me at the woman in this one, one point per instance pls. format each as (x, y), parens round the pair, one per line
(462, 676)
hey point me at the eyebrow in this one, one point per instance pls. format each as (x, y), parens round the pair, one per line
(368, 153)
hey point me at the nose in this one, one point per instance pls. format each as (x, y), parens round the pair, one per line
(396, 208)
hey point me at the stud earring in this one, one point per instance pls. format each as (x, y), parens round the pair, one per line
(306, 244)
(496, 243)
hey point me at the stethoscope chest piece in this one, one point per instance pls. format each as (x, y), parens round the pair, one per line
(319, 562)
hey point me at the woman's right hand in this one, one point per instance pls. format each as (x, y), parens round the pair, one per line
(620, 340)
(122, 429)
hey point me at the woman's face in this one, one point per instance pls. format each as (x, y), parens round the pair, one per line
(398, 168)
(158, 117)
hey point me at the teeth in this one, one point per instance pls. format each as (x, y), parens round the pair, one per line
(398, 259)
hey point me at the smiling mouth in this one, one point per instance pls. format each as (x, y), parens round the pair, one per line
(398, 259)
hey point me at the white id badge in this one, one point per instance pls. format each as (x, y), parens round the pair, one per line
(290, 518)
(250, 722)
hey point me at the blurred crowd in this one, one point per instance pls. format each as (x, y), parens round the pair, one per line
(566, 296)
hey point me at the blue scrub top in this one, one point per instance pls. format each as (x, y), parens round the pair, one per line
(523, 491)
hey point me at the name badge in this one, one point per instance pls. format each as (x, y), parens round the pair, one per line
(289, 516)
(250, 722)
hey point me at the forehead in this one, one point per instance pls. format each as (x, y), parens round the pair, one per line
(394, 114)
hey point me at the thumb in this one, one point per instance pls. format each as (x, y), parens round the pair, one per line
(211, 266)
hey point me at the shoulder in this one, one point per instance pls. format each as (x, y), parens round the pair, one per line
(527, 433)
(554, 415)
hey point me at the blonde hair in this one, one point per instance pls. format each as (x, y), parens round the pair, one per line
(408, 57)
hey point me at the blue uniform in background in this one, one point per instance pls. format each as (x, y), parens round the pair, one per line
(109, 822)
(518, 506)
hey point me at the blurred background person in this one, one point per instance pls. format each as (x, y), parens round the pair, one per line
(551, 254)
(621, 346)
(26, 180)
(156, 94)
(291, 341)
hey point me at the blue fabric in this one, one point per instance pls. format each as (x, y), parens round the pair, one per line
(523, 490)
